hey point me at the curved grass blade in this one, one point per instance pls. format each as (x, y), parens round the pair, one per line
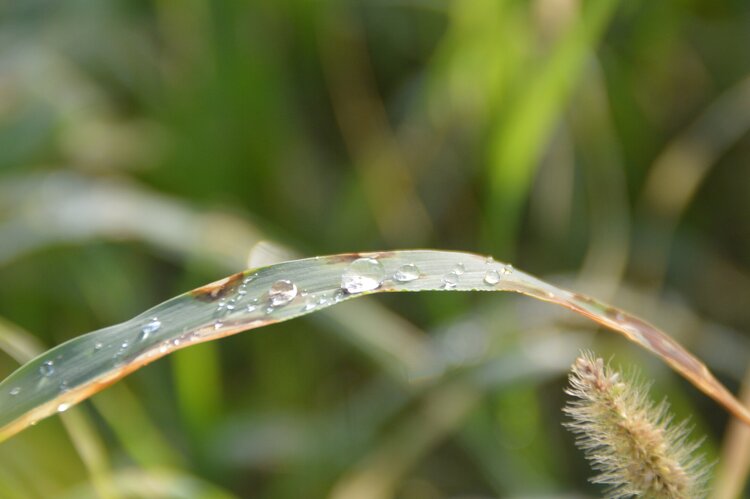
(82, 366)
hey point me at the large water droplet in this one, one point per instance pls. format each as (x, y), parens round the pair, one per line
(406, 273)
(492, 277)
(47, 368)
(363, 274)
(149, 328)
(282, 292)
(15, 390)
(450, 280)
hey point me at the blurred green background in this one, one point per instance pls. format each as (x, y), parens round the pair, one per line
(147, 146)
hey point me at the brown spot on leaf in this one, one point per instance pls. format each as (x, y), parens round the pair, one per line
(350, 257)
(219, 289)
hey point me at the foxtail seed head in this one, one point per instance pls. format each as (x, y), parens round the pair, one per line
(628, 438)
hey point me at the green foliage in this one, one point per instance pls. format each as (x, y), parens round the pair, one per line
(145, 147)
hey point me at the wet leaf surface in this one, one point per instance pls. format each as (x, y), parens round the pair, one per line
(79, 368)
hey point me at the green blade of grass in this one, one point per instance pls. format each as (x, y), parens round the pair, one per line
(80, 367)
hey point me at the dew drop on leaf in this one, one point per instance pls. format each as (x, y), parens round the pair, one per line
(15, 390)
(492, 277)
(459, 269)
(63, 407)
(150, 327)
(363, 274)
(406, 273)
(47, 368)
(282, 292)
(450, 280)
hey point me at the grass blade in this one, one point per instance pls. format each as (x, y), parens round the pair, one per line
(84, 365)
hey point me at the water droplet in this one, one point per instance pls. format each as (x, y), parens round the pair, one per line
(406, 273)
(63, 407)
(98, 346)
(15, 390)
(363, 274)
(310, 305)
(489, 260)
(150, 327)
(64, 386)
(508, 269)
(47, 368)
(242, 290)
(492, 277)
(269, 309)
(124, 345)
(339, 295)
(231, 304)
(248, 279)
(282, 292)
(459, 269)
(176, 342)
(323, 301)
(218, 325)
(251, 307)
(163, 347)
(450, 280)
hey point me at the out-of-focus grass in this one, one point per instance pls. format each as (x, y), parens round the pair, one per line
(233, 112)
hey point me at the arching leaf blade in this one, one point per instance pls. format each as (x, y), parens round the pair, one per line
(89, 363)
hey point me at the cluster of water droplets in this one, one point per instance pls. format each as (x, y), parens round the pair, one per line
(494, 275)
(494, 272)
(362, 275)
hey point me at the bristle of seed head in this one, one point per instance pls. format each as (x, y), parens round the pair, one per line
(627, 438)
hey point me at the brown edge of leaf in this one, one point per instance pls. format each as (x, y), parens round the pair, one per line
(633, 328)
(664, 346)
